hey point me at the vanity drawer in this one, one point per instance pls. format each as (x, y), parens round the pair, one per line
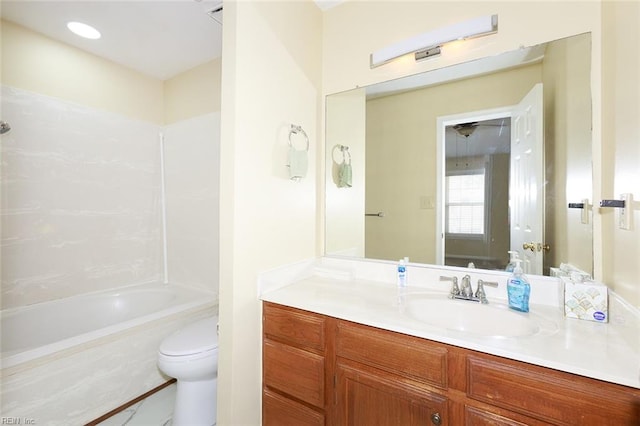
(549, 395)
(278, 411)
(293, 326)
(295, 372)
(403, 355)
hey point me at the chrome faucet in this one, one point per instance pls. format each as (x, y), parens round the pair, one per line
(465, 291)
(455, 291)
(480, 294)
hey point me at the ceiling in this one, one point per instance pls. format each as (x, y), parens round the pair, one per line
(159, 38)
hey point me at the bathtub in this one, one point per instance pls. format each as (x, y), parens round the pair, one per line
(71, 360)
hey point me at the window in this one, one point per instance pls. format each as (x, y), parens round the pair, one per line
(465, 203)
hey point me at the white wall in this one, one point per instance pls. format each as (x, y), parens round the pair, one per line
(270, 79)
(192, 158)
(80, 199)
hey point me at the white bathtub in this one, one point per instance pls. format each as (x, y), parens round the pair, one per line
(71, 360)
(45, 328)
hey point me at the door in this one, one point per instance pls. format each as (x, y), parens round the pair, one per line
(527, 181)
(371, 397)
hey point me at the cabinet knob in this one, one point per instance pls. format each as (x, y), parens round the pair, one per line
(436, 419)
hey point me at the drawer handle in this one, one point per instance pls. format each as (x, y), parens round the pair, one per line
(436, 419)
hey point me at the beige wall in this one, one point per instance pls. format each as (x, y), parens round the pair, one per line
(193, 93)
(621, 143)
(380, 23)
(614, 84)
(401, 140)
(345, 207)
(567, 99)
(271, 78)
(36, 63)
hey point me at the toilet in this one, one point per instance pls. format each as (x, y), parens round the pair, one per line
(191, 356)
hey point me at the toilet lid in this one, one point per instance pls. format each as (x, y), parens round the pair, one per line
(201, 336)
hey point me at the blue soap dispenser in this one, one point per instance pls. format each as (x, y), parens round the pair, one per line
(518, 289)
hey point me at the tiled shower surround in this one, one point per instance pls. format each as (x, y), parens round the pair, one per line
(80, 200)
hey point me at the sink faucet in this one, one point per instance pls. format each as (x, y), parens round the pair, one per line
(455, 291)
(465, 291)
(480, 294)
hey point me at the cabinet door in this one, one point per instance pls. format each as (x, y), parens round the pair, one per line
(365, 396)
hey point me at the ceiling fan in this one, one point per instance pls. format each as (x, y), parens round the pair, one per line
(466, 129)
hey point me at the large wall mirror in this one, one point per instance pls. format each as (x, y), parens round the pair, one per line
(433, 166)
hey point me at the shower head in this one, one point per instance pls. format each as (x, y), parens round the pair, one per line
(4, 127)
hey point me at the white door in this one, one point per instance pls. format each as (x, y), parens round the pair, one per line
(527, 181)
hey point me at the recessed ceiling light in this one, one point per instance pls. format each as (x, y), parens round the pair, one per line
(83, 30)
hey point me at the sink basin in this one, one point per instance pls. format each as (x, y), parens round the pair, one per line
(491, 320)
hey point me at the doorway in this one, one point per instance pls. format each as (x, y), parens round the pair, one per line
(473, 189)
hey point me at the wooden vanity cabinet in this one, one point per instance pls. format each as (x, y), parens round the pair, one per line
(320, 370)
(294, 368)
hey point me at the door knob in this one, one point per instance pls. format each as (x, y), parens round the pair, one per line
(536, 247)
(436, 419)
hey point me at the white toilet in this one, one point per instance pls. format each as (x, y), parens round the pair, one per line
(191, 356)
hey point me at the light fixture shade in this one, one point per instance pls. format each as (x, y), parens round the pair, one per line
(476, 27)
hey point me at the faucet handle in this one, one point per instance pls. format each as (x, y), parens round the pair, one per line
(480, 294)
(455, 291)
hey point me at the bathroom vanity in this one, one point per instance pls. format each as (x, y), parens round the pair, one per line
(320, 367)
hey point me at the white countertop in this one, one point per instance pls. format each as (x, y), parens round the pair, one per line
(605, 351)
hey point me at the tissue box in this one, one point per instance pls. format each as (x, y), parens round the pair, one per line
(585, 300)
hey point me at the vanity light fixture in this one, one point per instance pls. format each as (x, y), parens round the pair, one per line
(83, 30)
(428, 44)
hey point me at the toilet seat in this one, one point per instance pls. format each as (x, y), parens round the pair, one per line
(199, 338)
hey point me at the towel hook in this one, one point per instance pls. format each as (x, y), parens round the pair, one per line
(295, 129)
(345, 149)
(345, 153)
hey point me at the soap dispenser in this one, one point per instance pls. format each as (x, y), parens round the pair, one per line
(513, 255)
(402, 272)
(518, 289)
